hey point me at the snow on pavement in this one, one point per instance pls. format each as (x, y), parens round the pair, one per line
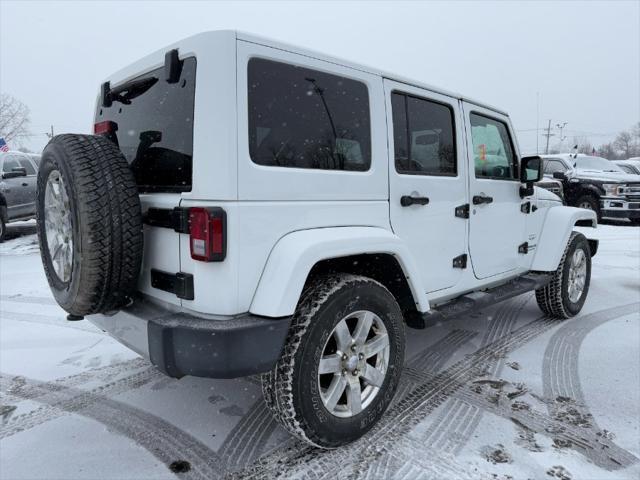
(503, 393)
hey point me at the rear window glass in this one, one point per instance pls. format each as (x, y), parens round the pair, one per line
(26, 164)
(305, 118)
(154, 122)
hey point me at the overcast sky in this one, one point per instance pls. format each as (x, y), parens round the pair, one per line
(582, 57)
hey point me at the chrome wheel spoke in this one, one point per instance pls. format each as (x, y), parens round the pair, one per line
(373, 376)
(330, 364)
(335, 391)
(343, 336)
(354, 396)
(362, 328)
(376, 345)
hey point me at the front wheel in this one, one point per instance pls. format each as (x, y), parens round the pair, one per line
(341, 362)
(565, 295)
(590, 202)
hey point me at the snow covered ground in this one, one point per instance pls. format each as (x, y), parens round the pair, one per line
(503, 393)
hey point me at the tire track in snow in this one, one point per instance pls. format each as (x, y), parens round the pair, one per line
(560, 375)
(29, 299)
(300, 459)
(57, 402)
(159, 437)
(431, 359)
(453, 428)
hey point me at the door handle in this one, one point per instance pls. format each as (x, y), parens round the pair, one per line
(408, 200)
(480, 199)
(25, 184)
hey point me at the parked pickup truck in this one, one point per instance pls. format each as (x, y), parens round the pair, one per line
(248, 207)
(17, 188)
(596, 184)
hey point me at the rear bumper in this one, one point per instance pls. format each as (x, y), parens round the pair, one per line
(179, 344)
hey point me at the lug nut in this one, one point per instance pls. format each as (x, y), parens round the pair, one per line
(344, 356)
(353, 347)
(361, 356)
(344, 372)
(355, 372)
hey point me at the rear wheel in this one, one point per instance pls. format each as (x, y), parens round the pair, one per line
(341, 362)
(565, 295)
(89, 224)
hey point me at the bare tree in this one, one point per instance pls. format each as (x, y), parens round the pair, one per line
(624, 144)
(584, 146)
(14, 118)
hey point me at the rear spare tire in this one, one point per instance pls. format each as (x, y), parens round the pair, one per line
(89, 224)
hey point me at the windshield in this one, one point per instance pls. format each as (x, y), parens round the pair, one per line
(596, 163)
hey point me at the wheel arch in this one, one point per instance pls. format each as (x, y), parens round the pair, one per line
(300, 256)
(556, 230)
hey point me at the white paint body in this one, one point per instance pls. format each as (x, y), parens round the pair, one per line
(282, 221)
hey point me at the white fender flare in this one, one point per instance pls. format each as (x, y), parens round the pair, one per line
(558, 225)
(294, 255)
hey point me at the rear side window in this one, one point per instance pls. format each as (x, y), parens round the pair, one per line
(154, 121)
(551, 166)
(305, 118)
(423, 136)
(493, 152)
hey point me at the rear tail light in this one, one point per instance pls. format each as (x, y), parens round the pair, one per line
(105, 128)
(207, 234)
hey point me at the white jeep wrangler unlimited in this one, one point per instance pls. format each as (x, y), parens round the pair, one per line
(247, 207)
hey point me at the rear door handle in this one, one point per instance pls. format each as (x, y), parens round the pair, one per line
(480, 199)
(25, 184)
(408, 200)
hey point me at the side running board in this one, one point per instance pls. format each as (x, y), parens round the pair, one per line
(477, 300)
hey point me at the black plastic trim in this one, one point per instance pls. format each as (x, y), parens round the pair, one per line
(181, 284)
(523, 248)
(460, 261)
(176, 218)
(237, 347)
(172, 66)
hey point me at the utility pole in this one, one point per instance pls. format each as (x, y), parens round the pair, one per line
(548, 135)
(537, 122)
(561, 127)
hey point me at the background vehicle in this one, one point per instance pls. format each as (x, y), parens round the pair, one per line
(631, 165)
(270, 210)
(596, 184)
(17, 188)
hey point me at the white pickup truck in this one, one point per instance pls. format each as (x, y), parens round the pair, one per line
(248, 207)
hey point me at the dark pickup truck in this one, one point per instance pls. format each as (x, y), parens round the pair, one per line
(596, 184)
(17, 188)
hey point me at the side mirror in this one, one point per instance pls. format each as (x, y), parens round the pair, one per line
(559, 175)
(15, 172)
(530, 169)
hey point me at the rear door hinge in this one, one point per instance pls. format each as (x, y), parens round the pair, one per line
(462, 211)
(525, 207)
(460, 261)
(176, 218)
(523, 248)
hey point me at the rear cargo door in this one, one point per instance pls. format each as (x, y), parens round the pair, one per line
(151, 120)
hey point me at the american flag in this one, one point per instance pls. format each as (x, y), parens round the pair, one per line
(3, 145)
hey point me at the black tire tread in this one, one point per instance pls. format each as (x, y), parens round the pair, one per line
(550, 297)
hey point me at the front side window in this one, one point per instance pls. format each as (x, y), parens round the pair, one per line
(27, 165)
(303, 118)
(493, 152)
(423, 136)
